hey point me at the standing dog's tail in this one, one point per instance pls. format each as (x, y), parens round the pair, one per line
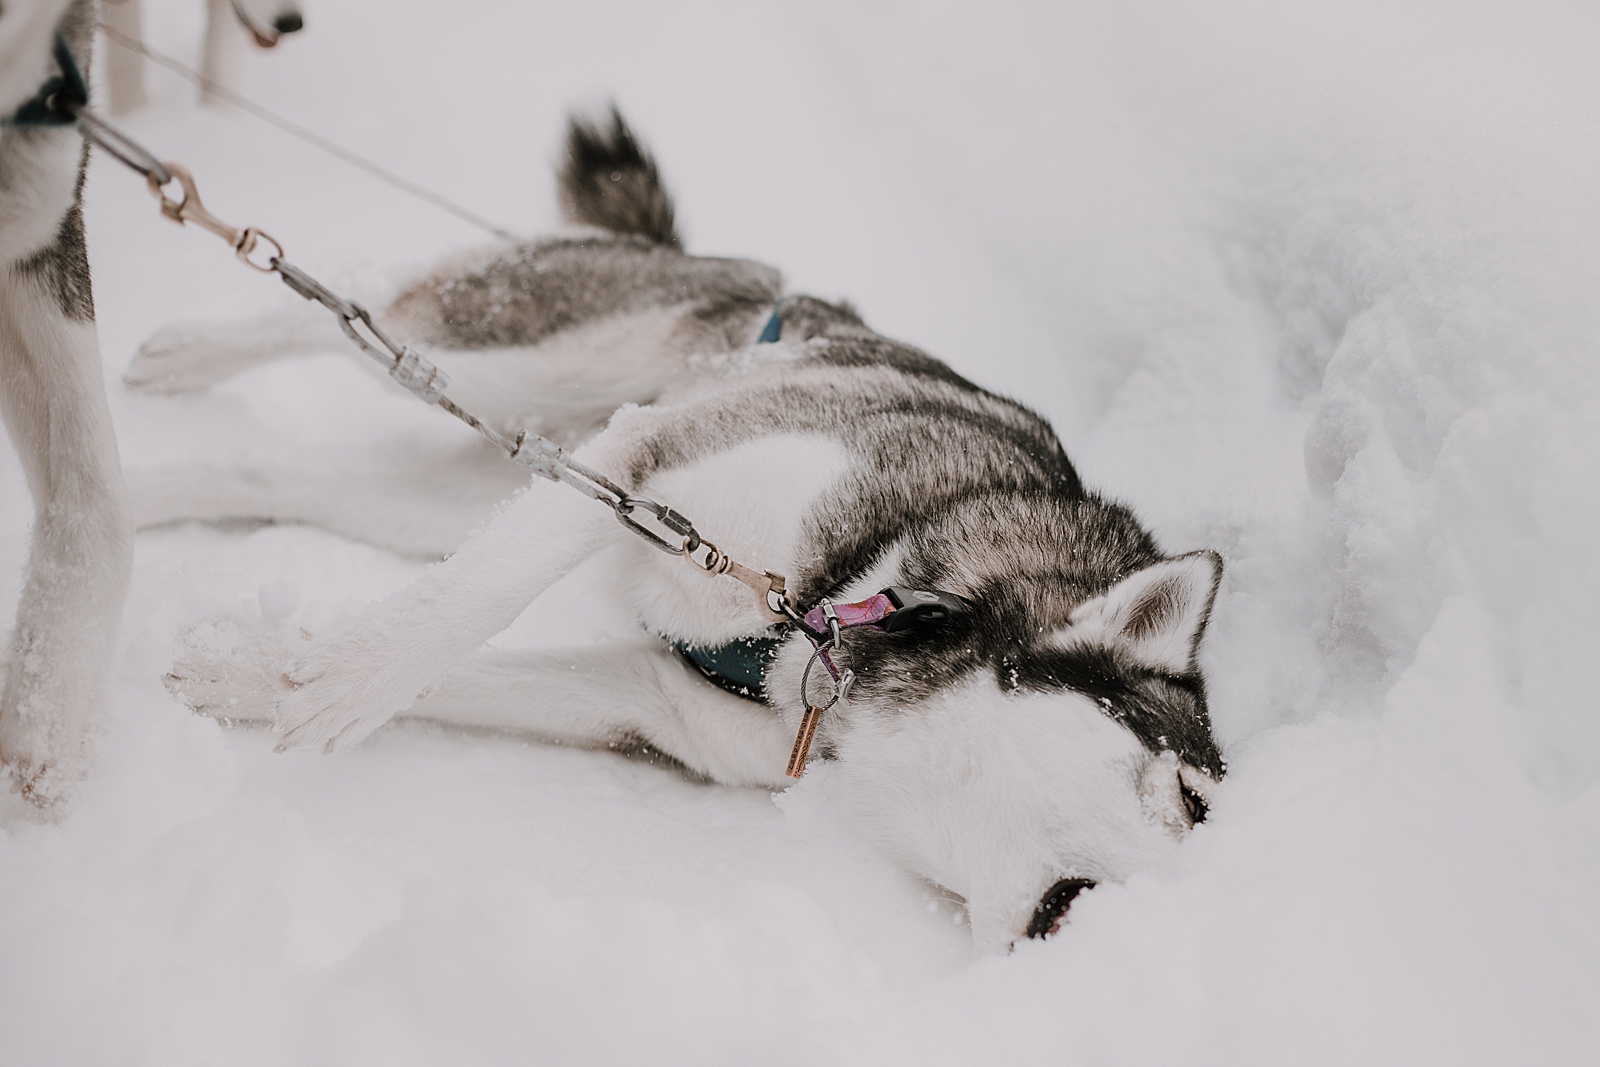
(609, 180)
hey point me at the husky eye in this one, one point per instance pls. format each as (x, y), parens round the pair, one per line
(1195, 806)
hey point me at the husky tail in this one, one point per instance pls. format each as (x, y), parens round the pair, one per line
(609, 180)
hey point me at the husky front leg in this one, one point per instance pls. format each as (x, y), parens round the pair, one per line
(621, 696)
(81, 554)
(615, 696)
(347, 686)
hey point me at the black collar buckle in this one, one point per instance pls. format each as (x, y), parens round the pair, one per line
(920, 610)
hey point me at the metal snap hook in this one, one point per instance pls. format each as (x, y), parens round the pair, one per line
(249, 239)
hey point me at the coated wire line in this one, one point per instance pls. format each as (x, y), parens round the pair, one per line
(296, 130)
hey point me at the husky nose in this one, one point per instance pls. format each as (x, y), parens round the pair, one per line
(290, 23)
(1052, 907)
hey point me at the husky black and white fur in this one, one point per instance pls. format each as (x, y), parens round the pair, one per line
(1054, 736)
(54, 402)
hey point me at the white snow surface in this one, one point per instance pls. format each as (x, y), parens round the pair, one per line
(1317, 285)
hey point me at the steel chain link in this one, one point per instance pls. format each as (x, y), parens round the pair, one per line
(540, 455)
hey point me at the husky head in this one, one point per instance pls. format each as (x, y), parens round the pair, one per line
(268, 20)
(1053, 738)
(27, 35)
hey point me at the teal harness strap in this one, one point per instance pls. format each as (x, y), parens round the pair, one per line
(773, 329)
(740, 666)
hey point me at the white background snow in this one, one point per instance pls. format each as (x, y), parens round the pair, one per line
(1314, 284)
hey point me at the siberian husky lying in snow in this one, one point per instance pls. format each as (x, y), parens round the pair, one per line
(1052, 733)
(53, 674)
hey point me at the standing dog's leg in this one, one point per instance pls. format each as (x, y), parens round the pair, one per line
(53, 399)
(124, 66)
(223, 56)
(229, 24)
(346, 687)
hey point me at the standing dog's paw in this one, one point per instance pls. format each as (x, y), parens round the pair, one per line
(42, 773)
(177, 359)
(233, 670)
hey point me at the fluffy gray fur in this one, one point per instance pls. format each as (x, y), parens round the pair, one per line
(609, 180)
(945, 466)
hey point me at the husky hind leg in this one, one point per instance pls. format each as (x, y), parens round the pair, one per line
(567, 384)
(186, 357)
(414, 505)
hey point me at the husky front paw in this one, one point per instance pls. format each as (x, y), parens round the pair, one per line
(230, 670)
(340, 694)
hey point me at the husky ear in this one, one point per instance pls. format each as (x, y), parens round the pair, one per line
(1156, 615)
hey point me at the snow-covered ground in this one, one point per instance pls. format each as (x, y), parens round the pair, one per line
(1315, 284)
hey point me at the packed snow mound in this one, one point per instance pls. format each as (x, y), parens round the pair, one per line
(1314, 285)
